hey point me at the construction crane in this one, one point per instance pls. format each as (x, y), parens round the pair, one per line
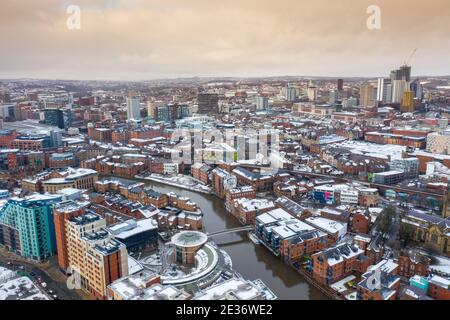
(410, 57)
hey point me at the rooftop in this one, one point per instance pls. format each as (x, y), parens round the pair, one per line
(189, 239)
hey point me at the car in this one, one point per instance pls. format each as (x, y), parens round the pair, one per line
(51, 291)
(39, 279)
(21, 267)
(55, 297)
(8, 263)
(43, 284)
(32, 274)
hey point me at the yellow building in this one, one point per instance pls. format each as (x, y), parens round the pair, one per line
(73, 178)
(408, 101)
(94, 255)
(431, 231)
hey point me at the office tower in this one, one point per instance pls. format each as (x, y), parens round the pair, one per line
(169, 112)
(208, 103)
(389, 93)
(408, 101)
(152, 107)
(70, 101)
(311, 91)
(368, 95)
(384, 90)
(56, 138)
(404, 73)
(133, 111)
(349, 103)
(54, 117)
(334, 97)
(419, 91)
(262, 103)
(290, 94)
(340, 84)
(417, 88)
(29, 226)
(398, 88)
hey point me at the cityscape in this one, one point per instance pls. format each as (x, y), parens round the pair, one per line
(194, 186)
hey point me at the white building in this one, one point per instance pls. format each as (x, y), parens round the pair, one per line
(438, 143)
(170, 168)
(384, 90)
(262, 103)
(133, 111)
(398, 89)
(410, 166)
(312, 93)
(347, 194)
(290, 94)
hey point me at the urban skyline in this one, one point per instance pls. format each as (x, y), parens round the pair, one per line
(156, 150)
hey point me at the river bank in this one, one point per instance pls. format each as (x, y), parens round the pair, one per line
(177, 181)
(250, 260)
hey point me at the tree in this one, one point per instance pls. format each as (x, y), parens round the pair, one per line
(406, 233)
(385, 219)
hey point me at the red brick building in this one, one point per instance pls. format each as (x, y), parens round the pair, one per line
(100, 134)
(413, 264)
(7, 137)
(61, 214)
(259, 181)
(439, 288)
(335, 263)
(201, 171)
(238, 193)
(360, 223)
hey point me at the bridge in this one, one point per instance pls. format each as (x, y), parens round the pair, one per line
(226, 231)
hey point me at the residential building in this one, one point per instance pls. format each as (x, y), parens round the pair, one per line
(62, 213)
(94, 256)
(439, 288)
(29, 226)
(413, 263)
(334, 264)
(380, 282)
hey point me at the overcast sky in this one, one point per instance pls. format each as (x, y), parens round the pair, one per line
(148, 39)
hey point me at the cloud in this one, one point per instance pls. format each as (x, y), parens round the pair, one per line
(137, 39)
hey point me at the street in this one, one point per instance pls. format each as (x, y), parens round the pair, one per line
(45, 275)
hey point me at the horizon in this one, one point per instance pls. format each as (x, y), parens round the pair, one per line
(224, 77)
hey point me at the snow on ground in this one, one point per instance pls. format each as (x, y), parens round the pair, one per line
(340, 285)
(20, 288)
(441, 266)
(180, 181)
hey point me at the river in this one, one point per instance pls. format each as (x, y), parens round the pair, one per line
(250, 260)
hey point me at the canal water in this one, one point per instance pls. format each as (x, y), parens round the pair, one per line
(250, 260)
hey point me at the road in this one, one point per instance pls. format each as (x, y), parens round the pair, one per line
(48, 272)
(352, 180)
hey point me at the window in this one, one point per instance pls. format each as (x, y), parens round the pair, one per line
(434, 238)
